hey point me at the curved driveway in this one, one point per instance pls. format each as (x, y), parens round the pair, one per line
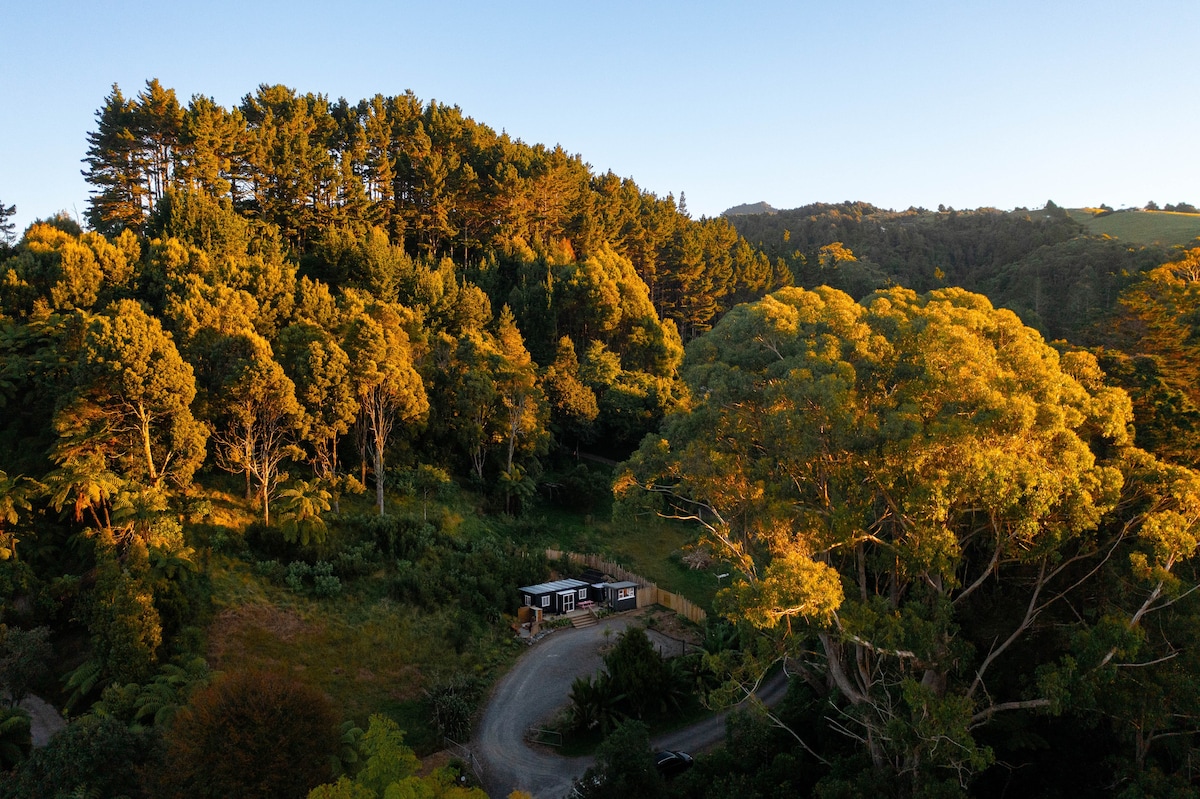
(537, 687)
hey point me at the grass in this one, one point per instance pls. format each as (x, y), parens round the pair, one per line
(654, 547)
(367, 652)
(374, 655)
(369, 655)
(1144, 228)
(651, 548)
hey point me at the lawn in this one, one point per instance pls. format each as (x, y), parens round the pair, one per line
(650, 547)
(1166, 228)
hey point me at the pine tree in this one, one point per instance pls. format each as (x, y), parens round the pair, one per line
(8, 231)
(116, 168)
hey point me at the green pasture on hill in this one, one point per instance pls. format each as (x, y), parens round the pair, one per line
(1166, 228)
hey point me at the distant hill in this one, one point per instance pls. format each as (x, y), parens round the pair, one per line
(750, 208)
(1049, 266)
(1165, 228)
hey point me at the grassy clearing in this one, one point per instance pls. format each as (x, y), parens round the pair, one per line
(1165, 228)
(369, 654)
(652, 548)
(372, 654)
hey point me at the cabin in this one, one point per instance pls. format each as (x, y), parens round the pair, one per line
(559, 596)
(620, 596)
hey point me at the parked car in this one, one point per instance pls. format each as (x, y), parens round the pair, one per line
(671, 764)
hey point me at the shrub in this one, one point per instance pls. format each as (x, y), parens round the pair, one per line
(256, 735)
(91, 757)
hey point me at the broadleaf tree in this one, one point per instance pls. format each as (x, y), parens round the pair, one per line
(887, 474)
(389, 389)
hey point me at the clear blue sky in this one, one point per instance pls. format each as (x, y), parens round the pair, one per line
(895, 102)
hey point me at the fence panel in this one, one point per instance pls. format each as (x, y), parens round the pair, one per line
(648, 593)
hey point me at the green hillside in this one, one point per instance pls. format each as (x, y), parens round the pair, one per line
(1166, 228)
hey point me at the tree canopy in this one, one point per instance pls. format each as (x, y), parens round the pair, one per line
(915, 487)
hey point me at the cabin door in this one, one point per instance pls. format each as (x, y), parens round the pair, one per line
(568, 601)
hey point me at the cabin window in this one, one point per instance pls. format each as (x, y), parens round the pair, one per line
(528, 600)
(624, 593)
(582, 593)
(546, 601)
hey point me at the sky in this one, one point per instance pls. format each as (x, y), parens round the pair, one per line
(898, 103)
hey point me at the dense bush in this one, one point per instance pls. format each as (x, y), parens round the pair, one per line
(91, 757)
(257, 735)
(479, 575)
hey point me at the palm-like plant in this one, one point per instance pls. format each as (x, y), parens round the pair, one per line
(15, 737)
(303, 505)
(595, 704)
(13, 499)
(518, 485)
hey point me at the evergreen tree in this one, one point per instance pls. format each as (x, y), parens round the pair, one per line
(8, 229)
(117, 168)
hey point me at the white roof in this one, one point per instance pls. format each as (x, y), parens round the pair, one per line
(557, 585)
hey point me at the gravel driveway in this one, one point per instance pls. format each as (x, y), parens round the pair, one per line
(536, 688)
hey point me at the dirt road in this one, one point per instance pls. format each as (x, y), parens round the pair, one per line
(537, 687)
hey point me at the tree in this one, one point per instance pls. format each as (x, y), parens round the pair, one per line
(159, 121)
(262, 420)
(886, 475)
(573, 406)
(320, 368)
(116, 168)
(303, 505)
(257, 735)
(91, 757)
(57, 270)
(390, 770)
(14, 497)
(25, 657)
(15, 737)
(137, 390)
(389, 388)
(8, 231)
(125, 625)
(624, 766)
(517, 385)
(638, 673)
(466, 403)
(594, 704)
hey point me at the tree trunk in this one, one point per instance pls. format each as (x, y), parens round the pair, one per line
(379, 475)
(144, 428)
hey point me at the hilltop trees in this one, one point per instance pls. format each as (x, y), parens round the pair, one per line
(131, 156)
(916, 487)
(7, 228)
(434, 182)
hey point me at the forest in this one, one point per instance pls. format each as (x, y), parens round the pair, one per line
(345, 360)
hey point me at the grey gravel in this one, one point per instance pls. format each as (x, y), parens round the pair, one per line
(535, 691)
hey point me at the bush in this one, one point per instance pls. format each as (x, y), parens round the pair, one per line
(325, 584)
(253, 735)
(318, 579)
(25, 657)
(452, 703)
(357, 561)
(91, 757)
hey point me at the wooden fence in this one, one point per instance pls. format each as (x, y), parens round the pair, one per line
(648, 593)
